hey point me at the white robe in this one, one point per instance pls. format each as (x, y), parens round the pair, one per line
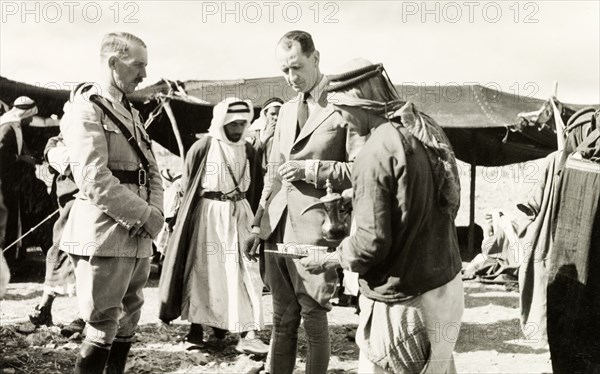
(223, 288)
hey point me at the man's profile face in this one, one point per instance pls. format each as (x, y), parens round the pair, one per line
(356, 118)
(129, 71)
(300, 71)
(271, 114)
(234, 130)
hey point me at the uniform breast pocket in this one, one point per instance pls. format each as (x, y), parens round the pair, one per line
(112, 133)
(119, 149)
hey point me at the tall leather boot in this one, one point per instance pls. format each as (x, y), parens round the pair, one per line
(91, 359)
(117, 357)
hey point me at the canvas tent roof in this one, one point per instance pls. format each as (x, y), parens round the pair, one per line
(477, 119)
(480, 121)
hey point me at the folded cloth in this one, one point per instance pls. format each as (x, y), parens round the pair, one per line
(404, 337)
(394, 336)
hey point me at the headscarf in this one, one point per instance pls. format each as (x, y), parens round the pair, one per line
(366, 85)
(229, 110)
(583, 135)
(23, 108)
(260, 125)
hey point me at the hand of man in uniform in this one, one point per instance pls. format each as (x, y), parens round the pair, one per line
(251, 247)
(292, 171)
(139, 231)
(151, 227)
(155, 222)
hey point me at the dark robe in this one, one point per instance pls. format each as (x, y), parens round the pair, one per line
(574, 275)
(25, 196)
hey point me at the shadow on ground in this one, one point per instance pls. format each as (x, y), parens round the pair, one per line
(503, 336)
(161, 348)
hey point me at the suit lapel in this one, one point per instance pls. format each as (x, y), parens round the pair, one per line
(320, 112)
(287, 137)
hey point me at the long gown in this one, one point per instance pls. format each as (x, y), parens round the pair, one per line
(223, 289)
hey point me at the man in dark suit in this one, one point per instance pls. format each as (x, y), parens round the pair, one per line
(311, 145)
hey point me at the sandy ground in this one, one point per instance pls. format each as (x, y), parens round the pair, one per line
(490, 339)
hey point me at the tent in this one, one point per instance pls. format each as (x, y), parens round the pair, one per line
(485, 126)
(482, 123)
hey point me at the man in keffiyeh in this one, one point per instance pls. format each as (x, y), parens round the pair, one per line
(262, 130)
(405, 249)
(206, 279)
(13, 149)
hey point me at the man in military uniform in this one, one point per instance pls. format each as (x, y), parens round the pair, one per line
(118, 209)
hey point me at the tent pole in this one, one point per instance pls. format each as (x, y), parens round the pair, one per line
(471, 242)
(169, 111)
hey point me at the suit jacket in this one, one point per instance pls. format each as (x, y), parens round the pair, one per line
(104, 209)
(325, 137)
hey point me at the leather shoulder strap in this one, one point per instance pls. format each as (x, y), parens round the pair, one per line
(130, 138)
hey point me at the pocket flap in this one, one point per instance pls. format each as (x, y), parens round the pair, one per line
(110, 126)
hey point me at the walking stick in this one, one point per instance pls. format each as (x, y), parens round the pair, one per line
(29, 232)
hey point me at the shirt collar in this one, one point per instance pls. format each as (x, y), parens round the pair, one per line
(318, 90)
(111, 93)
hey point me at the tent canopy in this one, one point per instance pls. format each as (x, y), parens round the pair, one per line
(482, 123)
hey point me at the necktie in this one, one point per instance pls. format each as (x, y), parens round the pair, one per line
(303, 110)
(126, 103)
(127, 106)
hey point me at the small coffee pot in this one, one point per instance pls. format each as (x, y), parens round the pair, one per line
(335, 227)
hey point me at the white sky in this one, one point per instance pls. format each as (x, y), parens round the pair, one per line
(519, 47)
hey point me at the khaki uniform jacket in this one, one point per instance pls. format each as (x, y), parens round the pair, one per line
(325, 137)
(104, 209)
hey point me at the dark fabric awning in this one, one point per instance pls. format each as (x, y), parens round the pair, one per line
(481, 122)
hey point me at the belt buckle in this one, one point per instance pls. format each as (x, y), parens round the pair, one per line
(142, 177)
(224, 197)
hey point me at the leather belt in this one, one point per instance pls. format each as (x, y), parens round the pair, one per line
(138, 177)
(217, 195)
